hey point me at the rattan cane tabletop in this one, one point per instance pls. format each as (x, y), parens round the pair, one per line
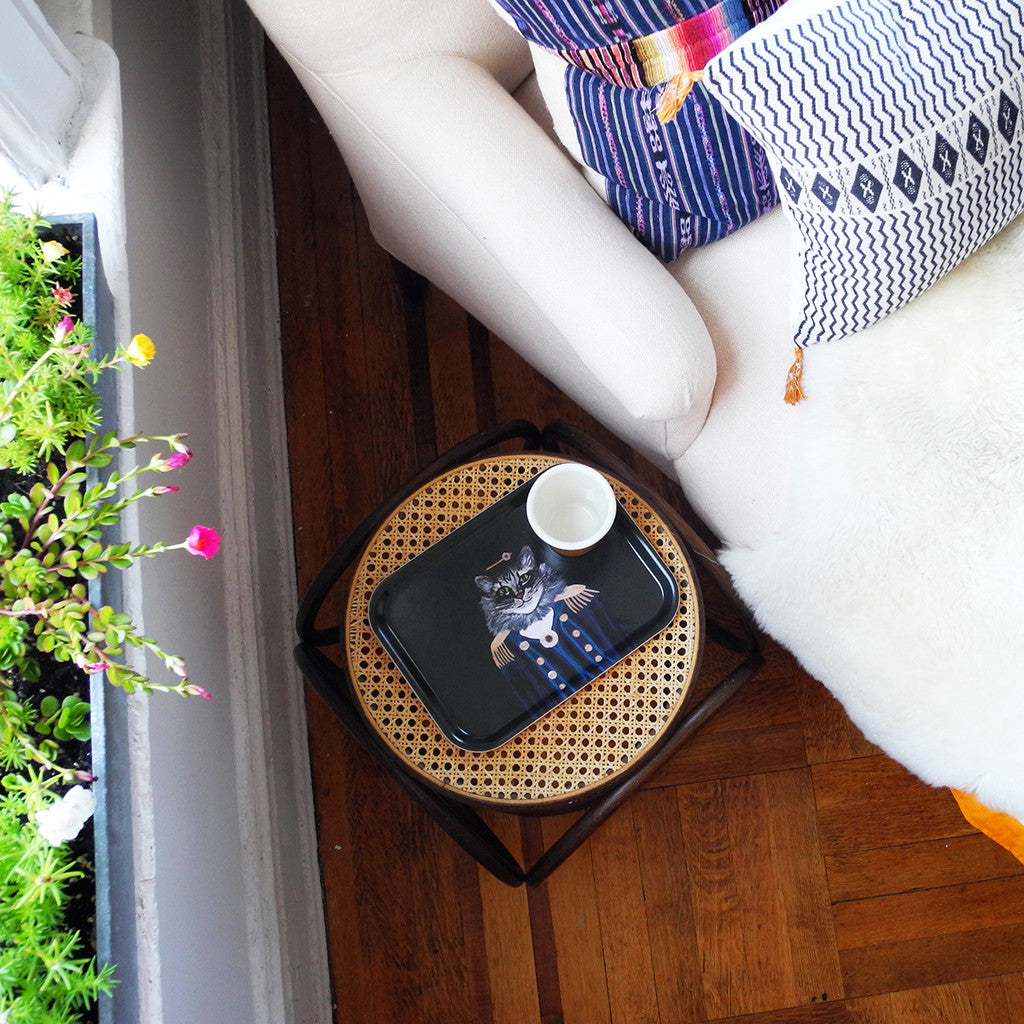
(584, 744)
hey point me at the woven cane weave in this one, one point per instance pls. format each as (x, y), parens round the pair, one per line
(584, 742)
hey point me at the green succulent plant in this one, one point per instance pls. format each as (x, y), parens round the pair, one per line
(55, 537)
(47, 975)
(47, 374)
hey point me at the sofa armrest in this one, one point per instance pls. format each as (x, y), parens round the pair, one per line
(454, 173)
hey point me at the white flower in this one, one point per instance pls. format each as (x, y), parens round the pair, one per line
(63, 820)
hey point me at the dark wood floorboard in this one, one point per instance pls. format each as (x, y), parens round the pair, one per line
(779, 870)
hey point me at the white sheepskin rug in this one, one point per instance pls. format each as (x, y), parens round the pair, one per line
(898, 580)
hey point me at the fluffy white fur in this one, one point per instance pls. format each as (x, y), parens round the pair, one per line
(898, 580)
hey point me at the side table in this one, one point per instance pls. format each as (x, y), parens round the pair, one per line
(590, 752)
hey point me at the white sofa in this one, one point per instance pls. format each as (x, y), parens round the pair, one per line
(859, 524)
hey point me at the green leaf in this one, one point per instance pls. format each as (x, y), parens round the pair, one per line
(18, 504)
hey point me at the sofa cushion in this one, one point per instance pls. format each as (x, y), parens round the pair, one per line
(680, 176)
(894, 130)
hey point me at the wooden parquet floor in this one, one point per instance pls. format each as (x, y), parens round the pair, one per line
(779, 871)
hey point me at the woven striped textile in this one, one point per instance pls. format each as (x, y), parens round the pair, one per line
(685, 182)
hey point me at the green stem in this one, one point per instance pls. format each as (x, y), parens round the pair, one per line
(21, 380)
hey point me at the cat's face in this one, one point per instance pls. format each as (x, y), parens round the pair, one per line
(517, 589)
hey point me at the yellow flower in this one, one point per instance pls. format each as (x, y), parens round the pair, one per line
(140, 350)
(52, 251)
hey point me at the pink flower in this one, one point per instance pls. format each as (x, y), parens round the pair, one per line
(62, 329)
(196, 691)
(62, 295)
(179, 459)
(203, 541)
(164, 490)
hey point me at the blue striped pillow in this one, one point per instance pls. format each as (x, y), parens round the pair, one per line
(681, 182)
(894, 130)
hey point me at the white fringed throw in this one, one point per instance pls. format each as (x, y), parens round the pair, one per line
(898, 580)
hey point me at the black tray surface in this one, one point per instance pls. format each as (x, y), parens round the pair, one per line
(493, 629)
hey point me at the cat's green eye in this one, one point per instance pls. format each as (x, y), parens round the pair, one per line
(525, 577)
(504, 591)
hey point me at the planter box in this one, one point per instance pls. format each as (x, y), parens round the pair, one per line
(115, 912)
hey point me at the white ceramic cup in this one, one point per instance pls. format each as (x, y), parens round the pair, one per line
(571, 507)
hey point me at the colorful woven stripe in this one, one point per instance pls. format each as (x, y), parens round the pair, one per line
(690, 181)
(655, 58)
(585, 24)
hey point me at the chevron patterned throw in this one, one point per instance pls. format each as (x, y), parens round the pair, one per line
(894, 129)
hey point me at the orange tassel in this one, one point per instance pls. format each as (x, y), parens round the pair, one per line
(999, 827)
(794, 382)
(674, 94)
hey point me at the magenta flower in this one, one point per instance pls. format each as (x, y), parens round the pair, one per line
(179, 458)
(197, 691)
(164, 490)
(62, 329)
(203, 541)
(62, 295)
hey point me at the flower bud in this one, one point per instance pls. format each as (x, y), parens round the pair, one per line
(61, 331)
(140, 350)
(176, 665)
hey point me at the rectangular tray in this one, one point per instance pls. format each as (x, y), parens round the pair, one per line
(591, 611)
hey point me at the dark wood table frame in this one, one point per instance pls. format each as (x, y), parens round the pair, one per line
(457, 815)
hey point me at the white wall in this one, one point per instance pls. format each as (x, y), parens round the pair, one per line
(198, 886)
(236, 889)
